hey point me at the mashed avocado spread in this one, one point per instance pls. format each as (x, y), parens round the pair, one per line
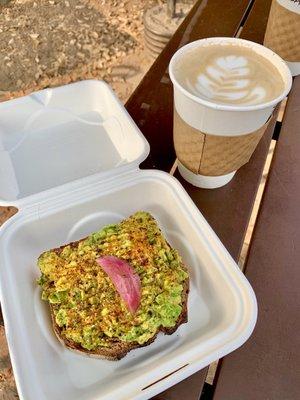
(85, 303)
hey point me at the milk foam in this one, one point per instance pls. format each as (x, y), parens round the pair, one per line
(229, 74)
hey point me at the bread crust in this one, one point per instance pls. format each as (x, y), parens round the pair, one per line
(118, 349)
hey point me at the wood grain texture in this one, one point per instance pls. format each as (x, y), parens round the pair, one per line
(256, 23)
(267, 366)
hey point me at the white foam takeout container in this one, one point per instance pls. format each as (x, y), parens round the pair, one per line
(69, 160)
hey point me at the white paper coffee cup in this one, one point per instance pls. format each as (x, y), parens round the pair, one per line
(224, 120)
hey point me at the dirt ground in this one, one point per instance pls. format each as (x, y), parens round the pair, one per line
(53, 42)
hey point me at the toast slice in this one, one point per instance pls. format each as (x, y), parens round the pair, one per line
(89, 315)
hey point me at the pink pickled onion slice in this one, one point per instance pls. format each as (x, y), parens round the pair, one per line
(125, 280)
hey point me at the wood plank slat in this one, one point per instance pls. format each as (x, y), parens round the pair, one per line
(151, 104)
(256, 24)
(268, 365)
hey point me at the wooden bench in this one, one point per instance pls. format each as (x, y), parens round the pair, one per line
(266, 366)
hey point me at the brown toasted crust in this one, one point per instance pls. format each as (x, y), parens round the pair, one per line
(118, 349)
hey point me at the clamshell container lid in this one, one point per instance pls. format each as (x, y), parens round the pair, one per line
(56, 139)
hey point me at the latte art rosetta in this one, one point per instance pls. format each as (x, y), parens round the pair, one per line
(230, 75)
(228, 80)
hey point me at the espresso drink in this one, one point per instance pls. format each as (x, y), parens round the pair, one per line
(229, 74)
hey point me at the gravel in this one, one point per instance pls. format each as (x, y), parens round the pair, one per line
(52, 42)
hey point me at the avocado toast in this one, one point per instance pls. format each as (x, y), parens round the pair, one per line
(89, 310)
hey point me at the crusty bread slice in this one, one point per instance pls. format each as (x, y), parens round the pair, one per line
(118, 349)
